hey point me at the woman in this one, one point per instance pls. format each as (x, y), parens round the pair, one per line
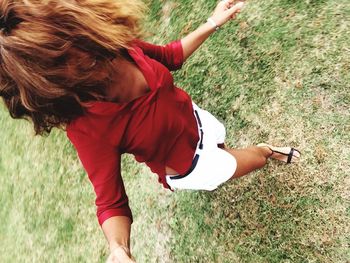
(80, 66)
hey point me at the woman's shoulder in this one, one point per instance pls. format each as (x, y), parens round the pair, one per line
(103, 122)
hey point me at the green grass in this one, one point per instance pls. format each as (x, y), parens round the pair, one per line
(279, 73)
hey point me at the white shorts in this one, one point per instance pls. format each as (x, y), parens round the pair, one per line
(214, 165)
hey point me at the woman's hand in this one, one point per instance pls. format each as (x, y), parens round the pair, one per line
(120, 255)
(225, 11)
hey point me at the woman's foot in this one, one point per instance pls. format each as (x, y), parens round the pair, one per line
(284, 154)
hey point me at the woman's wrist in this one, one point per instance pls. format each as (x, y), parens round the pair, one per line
(213, 24)
(115, 246)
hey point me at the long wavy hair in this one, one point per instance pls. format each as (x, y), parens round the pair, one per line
(56, 55)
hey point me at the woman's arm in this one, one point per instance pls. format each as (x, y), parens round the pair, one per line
(102, 164)
(117, 232)
(224, 11)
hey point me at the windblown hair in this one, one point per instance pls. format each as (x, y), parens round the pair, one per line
(56, 55)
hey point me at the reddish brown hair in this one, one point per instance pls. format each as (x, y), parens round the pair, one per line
(56, 55)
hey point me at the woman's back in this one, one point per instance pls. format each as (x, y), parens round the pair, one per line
(157, 126)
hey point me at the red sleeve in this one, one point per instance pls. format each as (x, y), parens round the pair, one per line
(170, 55)
(102, 164)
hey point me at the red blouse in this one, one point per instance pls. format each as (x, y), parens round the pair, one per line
(158, 128)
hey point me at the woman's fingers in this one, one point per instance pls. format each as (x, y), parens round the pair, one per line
(223, 13)
(228, 3)
(236, 8)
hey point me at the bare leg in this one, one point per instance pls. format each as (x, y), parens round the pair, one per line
(249, 159)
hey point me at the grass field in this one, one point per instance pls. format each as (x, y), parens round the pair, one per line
(280, 74)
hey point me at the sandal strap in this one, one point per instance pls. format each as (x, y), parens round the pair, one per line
(290, 155)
